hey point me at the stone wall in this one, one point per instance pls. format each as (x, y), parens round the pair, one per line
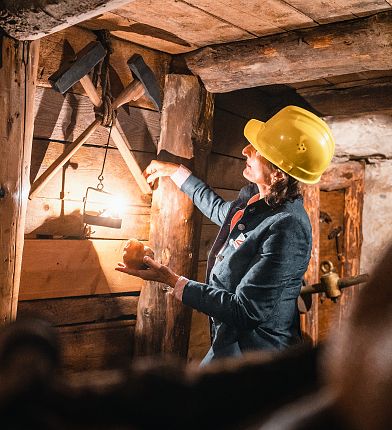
(369, 137)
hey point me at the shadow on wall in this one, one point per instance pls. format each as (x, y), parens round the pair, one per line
(73, 285)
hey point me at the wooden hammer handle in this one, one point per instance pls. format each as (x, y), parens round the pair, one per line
(132, 92)
(64, 157)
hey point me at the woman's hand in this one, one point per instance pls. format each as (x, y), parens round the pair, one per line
(155, 272)
(157, 169)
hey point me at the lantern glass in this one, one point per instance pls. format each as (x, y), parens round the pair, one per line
(101, 208)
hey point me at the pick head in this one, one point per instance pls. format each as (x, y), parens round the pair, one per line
(146, 76)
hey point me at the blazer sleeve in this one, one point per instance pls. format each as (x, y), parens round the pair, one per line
(279, 258)
(210, 204)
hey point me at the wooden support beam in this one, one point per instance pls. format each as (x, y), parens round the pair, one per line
(33, 20)
(64, 157)
(163, 323)
(309, 320)
(351, 101)
(302, 55)
(18, 72)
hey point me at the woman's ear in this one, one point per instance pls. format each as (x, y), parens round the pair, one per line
(276, 176)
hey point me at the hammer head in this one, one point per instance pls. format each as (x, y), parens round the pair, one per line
(71, 72)
(145, 75)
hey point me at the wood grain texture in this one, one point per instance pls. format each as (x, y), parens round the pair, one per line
(226, 172)
(63, 118)
(327, 50)
(137, 32)
(97, 346)
(32, 22)
(18, 74)
(65, 268)
(351, 101)
(191, 24)
(80, 310)
(309, 320)
(83, 170)
(350, 178)
(163, 323)
(332, 203)
(63, 218)
(61, 47)
(338, 10)
(258, 18)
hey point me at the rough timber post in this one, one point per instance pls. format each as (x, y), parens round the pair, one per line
(163, 323)
(18, 71)
(312, 205)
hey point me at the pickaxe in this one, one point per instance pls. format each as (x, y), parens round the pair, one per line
(144, 83)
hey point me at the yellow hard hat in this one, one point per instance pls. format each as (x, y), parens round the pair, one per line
(295, 140)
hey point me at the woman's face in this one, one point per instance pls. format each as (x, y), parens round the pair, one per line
(258, 170)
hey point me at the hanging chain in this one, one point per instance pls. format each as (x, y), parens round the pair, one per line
(100, 177)
(101, 73)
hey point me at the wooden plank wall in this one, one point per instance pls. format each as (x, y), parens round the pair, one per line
(67, 278)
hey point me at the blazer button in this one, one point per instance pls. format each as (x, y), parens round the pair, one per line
(252, 210)
(241, 227)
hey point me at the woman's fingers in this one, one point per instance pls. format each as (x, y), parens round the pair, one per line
(128, 271)
(152, 263)
(151, 178)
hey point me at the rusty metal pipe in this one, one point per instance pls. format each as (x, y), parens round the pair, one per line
(342, 283)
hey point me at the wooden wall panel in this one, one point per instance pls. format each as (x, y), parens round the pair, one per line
(62, 219)
(89, 347)
(65, 117)
(83, 170)
(64, 268)
(81, 310)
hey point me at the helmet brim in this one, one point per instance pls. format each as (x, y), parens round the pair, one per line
(252, 129)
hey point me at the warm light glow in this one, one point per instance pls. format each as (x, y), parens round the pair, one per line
(115, 209)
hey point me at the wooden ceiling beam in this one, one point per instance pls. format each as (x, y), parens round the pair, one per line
(351, 101)
(27, 21)
(296, 56)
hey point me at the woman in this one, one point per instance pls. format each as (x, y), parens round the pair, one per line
(256, 265)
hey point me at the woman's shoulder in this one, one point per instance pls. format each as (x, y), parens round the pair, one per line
(292, 212)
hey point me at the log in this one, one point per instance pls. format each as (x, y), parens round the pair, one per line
(328, 50)
(309, 320)
(351, 101)
(31, 22)
(18, 74)
(163, 323)
(68, 268)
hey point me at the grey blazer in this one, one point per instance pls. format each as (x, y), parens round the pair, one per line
(254, 272)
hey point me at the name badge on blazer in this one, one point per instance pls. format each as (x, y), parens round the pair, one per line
(238, 242)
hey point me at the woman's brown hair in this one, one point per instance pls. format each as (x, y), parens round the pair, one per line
(284, 189)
